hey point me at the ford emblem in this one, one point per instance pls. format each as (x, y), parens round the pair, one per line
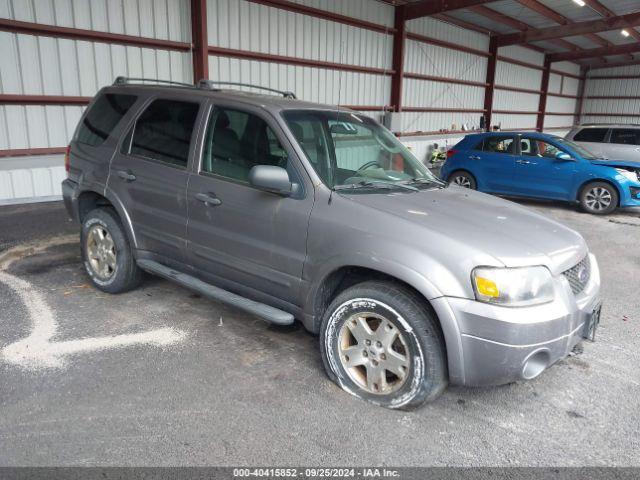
(583, 274)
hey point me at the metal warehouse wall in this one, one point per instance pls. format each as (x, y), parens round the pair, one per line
(562, 100)
(38, 70)
(612, 95)
(516, 105)
(283, 38)
(57, 53)
(444, 72)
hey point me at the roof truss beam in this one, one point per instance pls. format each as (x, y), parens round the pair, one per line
(596, 52)
(580, 28)
(432, 7)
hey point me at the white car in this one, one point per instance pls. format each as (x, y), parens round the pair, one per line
(615, 142)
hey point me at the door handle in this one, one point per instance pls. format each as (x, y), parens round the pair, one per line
(474, 157)
(523, 162)
(209, 199)
(126, 175)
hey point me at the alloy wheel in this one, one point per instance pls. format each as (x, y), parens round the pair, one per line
(101, 252)
(598, 199)
(374, 353)
(463, 181)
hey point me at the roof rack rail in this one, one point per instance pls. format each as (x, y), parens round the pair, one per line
(130, 80)
(615, 124)
(211, 85)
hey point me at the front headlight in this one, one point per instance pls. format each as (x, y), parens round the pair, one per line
(513, 287)
(628, 174)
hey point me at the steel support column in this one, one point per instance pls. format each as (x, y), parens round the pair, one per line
(542, 105)
(490, 81)
(399, 40)
(200, 40)
(581, 88)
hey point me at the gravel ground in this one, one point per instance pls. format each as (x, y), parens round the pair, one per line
(229, 389)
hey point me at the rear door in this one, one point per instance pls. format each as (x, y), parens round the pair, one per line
(493, 163)
(240, 237)
(593, 139)
(149, 174)
(624, 144)
(96, 138)
(539, 173)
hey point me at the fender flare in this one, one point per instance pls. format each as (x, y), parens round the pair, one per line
(431, 293)
(120, 210)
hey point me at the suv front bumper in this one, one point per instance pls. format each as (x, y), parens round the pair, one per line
(498, 345)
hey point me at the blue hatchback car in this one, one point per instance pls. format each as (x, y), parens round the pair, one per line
(538, 165)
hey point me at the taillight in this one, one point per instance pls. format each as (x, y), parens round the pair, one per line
(451, 153)
(67, 160)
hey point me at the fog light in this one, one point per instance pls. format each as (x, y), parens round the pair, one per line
(535, 364)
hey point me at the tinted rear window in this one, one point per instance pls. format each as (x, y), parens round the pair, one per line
(625, 136)
(596, 135)
(102, 117)
(163, 131)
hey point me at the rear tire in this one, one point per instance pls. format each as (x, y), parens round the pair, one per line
(599, 198)
(464, 179)
(106, 252)
(381, 342)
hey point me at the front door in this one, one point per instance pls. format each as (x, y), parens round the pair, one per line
(495, 163)
(149, 175)
(539, 173)
(240, 237)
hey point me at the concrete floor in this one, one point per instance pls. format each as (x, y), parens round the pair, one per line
(227, 389)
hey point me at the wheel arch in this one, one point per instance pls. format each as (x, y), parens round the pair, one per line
(346, 276)
(90, 199)
(595, 180)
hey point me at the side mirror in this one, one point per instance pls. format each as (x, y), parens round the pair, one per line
(272, 179)
(563, 156)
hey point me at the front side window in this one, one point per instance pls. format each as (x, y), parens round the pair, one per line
(349, 150)
(625, 136)
(163, 131)
(102, 118)
(236, 141)
(594, 135)
(538, 148)
(499, 144)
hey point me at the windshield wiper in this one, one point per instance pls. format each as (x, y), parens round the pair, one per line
(426, 181)
(376, 184)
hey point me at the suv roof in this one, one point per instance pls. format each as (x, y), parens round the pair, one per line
(278, 100)
(608, 125)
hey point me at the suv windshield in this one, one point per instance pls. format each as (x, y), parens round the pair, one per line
(583, 152)
(348, 150)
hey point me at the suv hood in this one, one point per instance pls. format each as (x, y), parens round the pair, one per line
(616, 163)
(513, 235)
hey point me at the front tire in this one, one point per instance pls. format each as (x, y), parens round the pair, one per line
(106, 253)
(463, 179)
(381, 342)
(598, 198)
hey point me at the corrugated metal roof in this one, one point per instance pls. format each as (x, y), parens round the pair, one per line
(564, 8)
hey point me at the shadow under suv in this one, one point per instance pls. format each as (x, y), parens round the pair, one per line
(294, 210)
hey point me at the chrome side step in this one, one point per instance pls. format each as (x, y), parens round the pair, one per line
(268, 313)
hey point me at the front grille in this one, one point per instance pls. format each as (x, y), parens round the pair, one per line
(578, 276)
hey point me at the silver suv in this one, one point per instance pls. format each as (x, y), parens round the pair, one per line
(293, 210)
(614, 142)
